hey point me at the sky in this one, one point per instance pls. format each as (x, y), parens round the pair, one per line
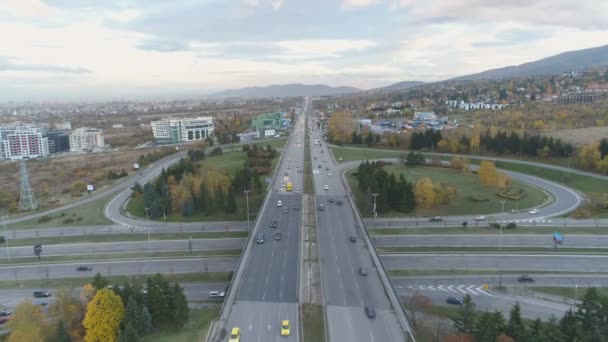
(121, 49)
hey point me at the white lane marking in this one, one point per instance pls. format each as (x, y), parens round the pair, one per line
(350, 326)
(432, 288)
(461, 290)
(484, 292)
(451, 289)
(441, 288)
(471, 290)
(251, 322)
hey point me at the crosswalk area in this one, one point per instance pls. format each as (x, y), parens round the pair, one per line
(474, 290)
(523, 221)
(125, 226)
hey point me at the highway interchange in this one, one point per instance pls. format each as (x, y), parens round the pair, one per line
(266, 282)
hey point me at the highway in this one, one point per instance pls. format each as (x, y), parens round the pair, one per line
(489, 240)
(346, 291)
(105, 248)
(523, 262)
(267, 292)
(118, 267)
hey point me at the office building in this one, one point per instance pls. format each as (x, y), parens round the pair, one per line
(175, 131)
(86, 139)
(58, 142)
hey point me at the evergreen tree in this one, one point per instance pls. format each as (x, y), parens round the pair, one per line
(516, 327)
(231, 202)
(603, 147)
(157, 300)
(257, 183)
(590, 316)
(62, 333)
(369, 139)
(569, 327)
(179, 306)
(129, 334)
(99, 282)
(134, 315)
(465, 320)
(489, 327)
(146, 320)
(220, 199)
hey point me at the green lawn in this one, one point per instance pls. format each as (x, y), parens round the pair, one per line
(466, 186)
(276, 143)
(487, 230)
(350, 154)
(88, 214)
(126, 237)
(194, 330)
(313, 323)
(210, 277)
(567, 292)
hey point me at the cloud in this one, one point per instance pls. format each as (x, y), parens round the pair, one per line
(351, 4)
(276, 4)
(123, 16)
(27, 8)
(163, 45)
(513, 37)
(8, 64)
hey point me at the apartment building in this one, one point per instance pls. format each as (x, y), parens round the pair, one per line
(175, 131)
(22, 142)
(86, 139)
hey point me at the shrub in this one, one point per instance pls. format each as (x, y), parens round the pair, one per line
(511, 225)
(477, 197)
(45, 218)
(68, 220)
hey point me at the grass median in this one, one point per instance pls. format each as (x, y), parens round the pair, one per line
(489, 231)
(209, 277)
(125, 237)
(494, 250)
(452, 272)
(313, 323)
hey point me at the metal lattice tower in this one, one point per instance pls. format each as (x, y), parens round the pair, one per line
(27, 200)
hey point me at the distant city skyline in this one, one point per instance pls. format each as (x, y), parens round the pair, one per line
(69, 50)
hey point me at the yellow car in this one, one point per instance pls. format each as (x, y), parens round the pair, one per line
(285, 329)
(235, 335)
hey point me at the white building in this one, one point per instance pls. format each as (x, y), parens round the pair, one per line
(23, 142)
(86, 139)
(174, 131)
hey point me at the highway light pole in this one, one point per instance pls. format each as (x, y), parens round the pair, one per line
(148, 224)
(375, 212)
(502, 218)
(8, 253)
(247, 201)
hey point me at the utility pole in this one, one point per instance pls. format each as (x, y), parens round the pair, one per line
(8, 253)
(374, 211)
(247, 201)
(148, 224)
(502, 218)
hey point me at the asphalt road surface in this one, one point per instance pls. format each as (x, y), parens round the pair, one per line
(490, 240)
(268, 290)
(113, 268)
(345, 290)
(129, 247)
(524, 262)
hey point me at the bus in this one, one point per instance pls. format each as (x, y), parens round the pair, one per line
(289, 186)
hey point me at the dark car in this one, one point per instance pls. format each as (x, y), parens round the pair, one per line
(3, 320)
(525, 279)
(453, 301)
(370, 312)
(41, 294)
(339, 203)
(278, 236)
(5, 313)
(353, 238)
(84, 268)
(319, 166)
(274, 224)
(331, 200)
(436, 219)
(363, 271)
(296, 207)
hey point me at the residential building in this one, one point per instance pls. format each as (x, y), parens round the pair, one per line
(86, 139)
(425, 116)
(22, 142)
(576, 99)
(58, 142)
(175, 131)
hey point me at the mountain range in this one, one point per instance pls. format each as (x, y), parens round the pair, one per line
(285, 90)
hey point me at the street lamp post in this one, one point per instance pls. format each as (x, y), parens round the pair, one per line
(148, 224)
(247, 201)
(502, 218)
(8, 253)
(374, 211)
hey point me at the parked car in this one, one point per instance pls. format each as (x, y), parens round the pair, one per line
(453, 301)
(5, 313)
(370, 312)
(436, 219)
(525, 279)
(41, 294)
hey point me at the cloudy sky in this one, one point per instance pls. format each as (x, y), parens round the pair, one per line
(118, 49)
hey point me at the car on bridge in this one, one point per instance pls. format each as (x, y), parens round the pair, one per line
(321, 207)
(274, 224)
(285, 328)
(235, 335)
(279, 203)
(259, 238)
(363, 271)
(480, 218)
(278, 236)
(370, 312)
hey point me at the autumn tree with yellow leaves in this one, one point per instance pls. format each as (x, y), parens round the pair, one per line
(340, 127)
(27, 324)
(69, 309)
(103, 317)
(488, 174)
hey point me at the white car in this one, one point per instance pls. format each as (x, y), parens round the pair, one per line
(326, 187)
(480, 218)
(534, 212)
(279, 203)
(329, 173)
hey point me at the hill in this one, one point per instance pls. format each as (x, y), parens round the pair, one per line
(567, 61)
(286, 90)
(402, 85)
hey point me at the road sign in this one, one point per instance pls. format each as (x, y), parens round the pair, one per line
(486, 286)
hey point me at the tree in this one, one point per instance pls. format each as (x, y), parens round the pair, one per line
(465, 320)
(62, 334)
(87, 293)
(569, 327)
(591, 315)
(340, 127)
(603, 148)
(179, 306)
(415, 159)
(103, 317)
(157, 300)
(489, 326)
(516, 327)
(425, 193)
(231, 202)
(27, 323)
(134, 315)
(147, 320)
(99, 282)
(69, 310)
(419, 303)
(487, 173)
(129, 334)
(369, 139)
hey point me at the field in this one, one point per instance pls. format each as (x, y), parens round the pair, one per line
(229, 163)
(194, 330)
(62, 179)
(581, 136)
(466, 185)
